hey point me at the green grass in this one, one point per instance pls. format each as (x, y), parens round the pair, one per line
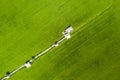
(28, 27)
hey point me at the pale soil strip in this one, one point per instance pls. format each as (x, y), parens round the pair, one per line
(48, 49)
(31, 60)
(4, 78)
(17, 69)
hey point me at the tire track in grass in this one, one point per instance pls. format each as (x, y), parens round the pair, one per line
(69, 54)
(98, 32)
(87, 26)
(83, 26)
(82, 34)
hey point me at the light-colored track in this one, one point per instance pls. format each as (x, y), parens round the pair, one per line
(33, 59)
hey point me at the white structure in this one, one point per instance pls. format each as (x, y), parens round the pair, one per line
(27, 64)
(67, 32)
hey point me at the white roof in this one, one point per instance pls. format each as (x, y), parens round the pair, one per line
(67, 32)
(69, 29)
(27, 65)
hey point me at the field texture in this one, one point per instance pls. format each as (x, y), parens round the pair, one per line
(27, 27)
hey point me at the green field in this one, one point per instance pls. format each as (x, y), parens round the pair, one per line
(27, 27)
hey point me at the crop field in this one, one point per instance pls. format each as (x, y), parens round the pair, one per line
(27, 27)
